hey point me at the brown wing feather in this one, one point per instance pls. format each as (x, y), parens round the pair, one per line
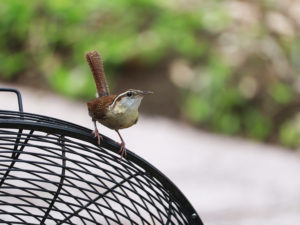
(95, 62)
(98, 107)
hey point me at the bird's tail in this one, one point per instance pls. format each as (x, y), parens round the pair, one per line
(95, 62)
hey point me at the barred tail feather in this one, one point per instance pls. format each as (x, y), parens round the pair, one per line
(95, 62)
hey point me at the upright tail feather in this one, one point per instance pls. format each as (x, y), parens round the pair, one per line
(95, 62)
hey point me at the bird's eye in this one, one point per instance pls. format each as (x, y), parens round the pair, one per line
(129, 94)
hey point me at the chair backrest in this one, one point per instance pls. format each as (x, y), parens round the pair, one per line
(53, 172)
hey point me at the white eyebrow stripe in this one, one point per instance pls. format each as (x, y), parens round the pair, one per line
(116, 98)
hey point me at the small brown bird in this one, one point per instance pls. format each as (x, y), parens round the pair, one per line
(113, 111)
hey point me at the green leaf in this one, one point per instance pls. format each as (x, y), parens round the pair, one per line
(226, 122)
(197, 109)
(289, 135)
(281, 93)
(257, 125)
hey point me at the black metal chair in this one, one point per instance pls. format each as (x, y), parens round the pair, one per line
(53, 172)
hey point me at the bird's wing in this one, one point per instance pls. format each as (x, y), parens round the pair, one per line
(98, 107)
(95, 62)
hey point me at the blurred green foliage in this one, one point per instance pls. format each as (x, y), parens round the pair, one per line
(239, 59)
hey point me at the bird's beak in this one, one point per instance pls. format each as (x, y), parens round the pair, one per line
(146, 92)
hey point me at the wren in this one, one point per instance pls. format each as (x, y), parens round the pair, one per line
(113, 111)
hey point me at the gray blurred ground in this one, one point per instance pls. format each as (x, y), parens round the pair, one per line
(229, 181)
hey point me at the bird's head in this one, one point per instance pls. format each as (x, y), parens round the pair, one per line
(130, 99)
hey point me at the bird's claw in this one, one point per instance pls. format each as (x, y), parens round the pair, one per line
(123, 150)
(98, 136)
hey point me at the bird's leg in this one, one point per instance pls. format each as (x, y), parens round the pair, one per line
(122, 149)
(96, 133)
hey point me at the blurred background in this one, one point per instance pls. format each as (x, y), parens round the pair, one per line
(228, 67)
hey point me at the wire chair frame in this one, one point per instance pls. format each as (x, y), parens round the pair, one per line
(53, 172)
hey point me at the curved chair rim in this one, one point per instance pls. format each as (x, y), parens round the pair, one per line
(20, 120)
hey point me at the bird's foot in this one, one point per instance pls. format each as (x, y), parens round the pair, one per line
(98, 136)
(123, 150)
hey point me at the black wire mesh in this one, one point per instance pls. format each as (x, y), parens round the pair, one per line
(53, 172)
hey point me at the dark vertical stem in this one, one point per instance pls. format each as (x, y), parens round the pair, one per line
(16, 153)
(62, 178)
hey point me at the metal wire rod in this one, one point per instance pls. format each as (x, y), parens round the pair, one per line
(65, 178)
